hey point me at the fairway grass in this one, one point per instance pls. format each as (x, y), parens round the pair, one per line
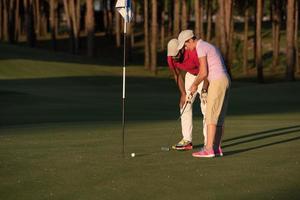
(61, 137)
(84, 161)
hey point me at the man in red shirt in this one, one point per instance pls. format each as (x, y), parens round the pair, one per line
(186, 61)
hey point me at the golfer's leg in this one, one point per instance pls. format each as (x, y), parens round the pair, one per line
(186, 122)
(218, 136)
(203, 109)
(211, 132)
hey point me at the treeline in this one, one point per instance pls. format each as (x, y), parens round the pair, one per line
(212, 20)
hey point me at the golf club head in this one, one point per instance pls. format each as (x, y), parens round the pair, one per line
(165, 148)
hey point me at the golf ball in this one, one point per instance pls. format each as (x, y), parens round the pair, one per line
(132, 155)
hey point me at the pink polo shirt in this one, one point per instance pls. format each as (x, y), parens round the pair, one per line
(215, 62)
(190, 62)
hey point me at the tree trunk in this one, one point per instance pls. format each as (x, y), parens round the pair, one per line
(105, 15)
(1, 19)
(29, 22)
(17, 21)
(110, 21)
(290, 31)
(146, 35)
(197, 18)
(276, 22)
(11, 21)
(170, 20)
(218, 28)
(245, 48)
(221, 28)
(118, 29)
(162, 28)
(132, 24)
(5, 21)
(128, 41)
(154, 37)
(90, 27)
(73, 8)
(69, 22)
(53, 16)
(296, 36)
(37, 18)
(209, 20)
(184, 24)
(258, 58)
(176, 26)
(229, 34)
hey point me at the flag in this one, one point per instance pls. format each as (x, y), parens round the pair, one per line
(124, 8)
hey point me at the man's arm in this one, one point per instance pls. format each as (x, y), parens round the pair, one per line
(180, 83)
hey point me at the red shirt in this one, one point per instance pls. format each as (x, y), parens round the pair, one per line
(190, 62)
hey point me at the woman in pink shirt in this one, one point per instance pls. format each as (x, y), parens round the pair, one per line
(213, 69)
(186, 61)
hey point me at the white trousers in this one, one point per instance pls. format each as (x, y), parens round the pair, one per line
(187, 115)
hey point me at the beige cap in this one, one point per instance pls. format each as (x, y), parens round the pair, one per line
(183, 37)
(172, 47)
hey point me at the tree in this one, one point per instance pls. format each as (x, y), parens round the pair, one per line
(162, 28)
(146, 36)
(290, 34)
(258, 41)
(11, 21)
(53, 19)
(4, 20)
(153, 61)
(133, 22)
(276, 6)
(37, 16)
(229, 33)
(72, 10)
(176, 26)
(198, 18)
(90, 27)
(296, 36)
(29, 22)
(17, 21)
(1, 19)
(209, 19)
(108, 16)
(184, 24)
(245, 46)
(225, 30)
(118, 28)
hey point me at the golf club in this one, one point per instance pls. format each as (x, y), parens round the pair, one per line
(167, 148)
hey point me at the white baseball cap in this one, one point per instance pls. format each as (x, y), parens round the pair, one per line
(183, 37)
(172, 47)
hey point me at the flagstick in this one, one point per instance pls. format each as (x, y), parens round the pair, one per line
(123, 97)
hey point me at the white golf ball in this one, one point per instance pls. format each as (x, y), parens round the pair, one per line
(132, 155)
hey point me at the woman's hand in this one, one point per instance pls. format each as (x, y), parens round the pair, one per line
(193, 88)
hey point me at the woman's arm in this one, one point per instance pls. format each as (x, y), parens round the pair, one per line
(202, 75)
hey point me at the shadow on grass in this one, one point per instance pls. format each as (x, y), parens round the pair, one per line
(229, 153)
(98, 98)
(260, 136)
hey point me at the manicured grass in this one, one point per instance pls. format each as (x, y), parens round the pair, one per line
(60, 137)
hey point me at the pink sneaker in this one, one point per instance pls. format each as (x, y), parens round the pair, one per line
(204, 153)
(218, 152)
